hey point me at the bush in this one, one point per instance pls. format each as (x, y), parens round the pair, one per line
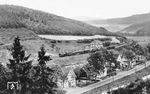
(67, 41)
(59, 41)
(106, 44)
(53, 41)
(61, 92)
(111, 73)
(85, 41)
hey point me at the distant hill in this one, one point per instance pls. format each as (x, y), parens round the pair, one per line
(44, 23)
(124, 20)
(137, 25)
(138, 29)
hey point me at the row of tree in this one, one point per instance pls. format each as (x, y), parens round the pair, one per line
(136, 87)
(38, 79)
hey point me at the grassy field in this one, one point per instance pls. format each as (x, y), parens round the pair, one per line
(142, 40)
(70, 60)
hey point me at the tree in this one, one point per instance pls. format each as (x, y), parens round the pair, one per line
(148, 47)
(53, 45)
(120, 91)
(44, 78)
(111, 61)
(3, 79)
(89, 71)
(97, 61)
(80, 72)
(20, 66)
(135, 87)
(57, 71)
(106, 44)
(100, 60)
(129, 54)
(147, 84)
(137, 48)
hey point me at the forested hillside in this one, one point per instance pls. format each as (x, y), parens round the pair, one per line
(44, 23)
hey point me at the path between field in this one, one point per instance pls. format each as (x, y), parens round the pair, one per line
(106, 81)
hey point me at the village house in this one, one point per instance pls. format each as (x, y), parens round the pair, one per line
(68, 78)
(140, 58)
(102, 74)
(115, 40)
(125, 63)
(121, 60)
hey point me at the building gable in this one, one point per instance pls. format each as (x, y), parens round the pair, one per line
(71, 74)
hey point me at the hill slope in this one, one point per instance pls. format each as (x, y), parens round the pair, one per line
(138, 29)
(124, 20)
(28, 23)
(29, 39)
(44, 23)
(123, 24)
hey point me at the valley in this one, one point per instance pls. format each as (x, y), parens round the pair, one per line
(134, 25)
(72, 46)
(110, 27)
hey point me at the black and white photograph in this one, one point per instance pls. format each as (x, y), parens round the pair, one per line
(74, 46)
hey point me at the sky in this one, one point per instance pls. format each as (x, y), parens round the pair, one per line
(101, 9)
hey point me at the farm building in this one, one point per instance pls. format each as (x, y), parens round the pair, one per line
(68, 78)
